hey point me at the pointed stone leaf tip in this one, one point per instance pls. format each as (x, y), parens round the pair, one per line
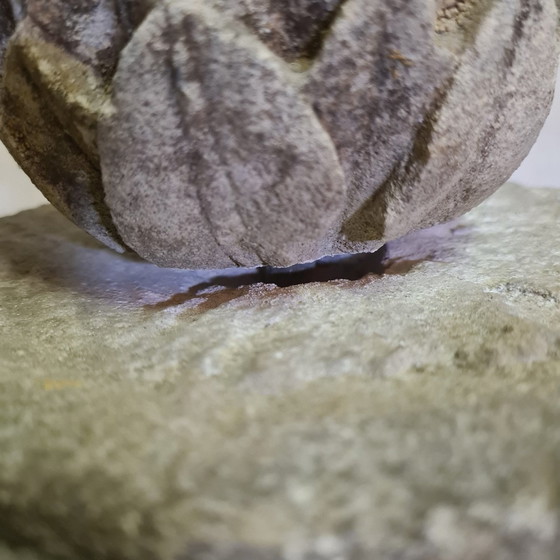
(216, 133)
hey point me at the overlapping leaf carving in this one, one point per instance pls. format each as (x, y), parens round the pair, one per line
(211, 133)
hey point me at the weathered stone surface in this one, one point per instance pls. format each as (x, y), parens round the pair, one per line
(293, 29)
(208, 187)
(481, 118)
(373, 115)
(93, 31)
(7, 26)
(471, 88)
(55, 161)
(201, 133)
(164, 414)
(56, 72)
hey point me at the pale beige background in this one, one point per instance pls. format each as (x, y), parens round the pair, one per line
(541, 168)
(16, 191)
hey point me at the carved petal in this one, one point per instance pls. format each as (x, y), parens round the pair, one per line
(293, 29)
(32, 132)
(211, 157)
(58, 63)
(483, 126)
(492, 115)
(374, 81)
(93, 31)
(11, 11)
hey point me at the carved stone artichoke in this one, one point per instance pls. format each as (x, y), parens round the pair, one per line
(216, 133)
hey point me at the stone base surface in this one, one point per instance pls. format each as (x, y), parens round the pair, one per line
(413, 414)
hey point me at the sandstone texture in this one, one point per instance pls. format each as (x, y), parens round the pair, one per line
(218, 133)
(410, 414)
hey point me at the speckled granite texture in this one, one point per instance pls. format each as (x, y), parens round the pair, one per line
(411, 414)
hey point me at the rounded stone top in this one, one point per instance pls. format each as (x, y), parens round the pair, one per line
(216, 133)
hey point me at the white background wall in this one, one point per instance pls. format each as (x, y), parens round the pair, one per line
(541, 168)
(16, 191)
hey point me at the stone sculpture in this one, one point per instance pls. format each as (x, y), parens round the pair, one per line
(219, 133)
